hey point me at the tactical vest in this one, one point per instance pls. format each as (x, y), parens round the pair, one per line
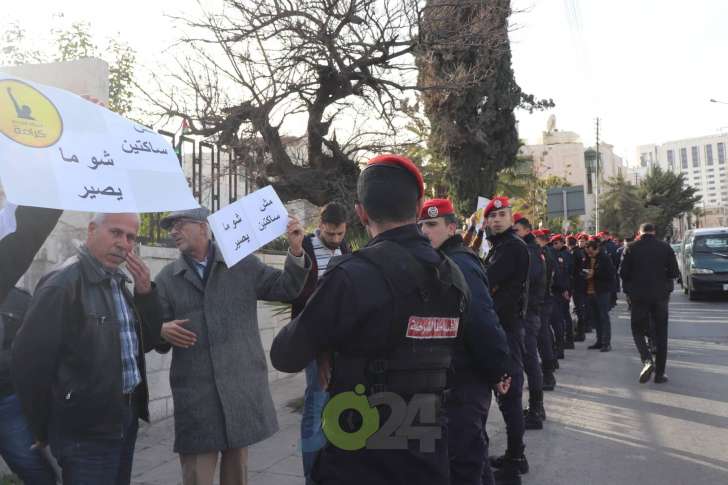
(419, 340)
(538, 277)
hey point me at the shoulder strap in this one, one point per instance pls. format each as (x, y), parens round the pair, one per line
(399, 267)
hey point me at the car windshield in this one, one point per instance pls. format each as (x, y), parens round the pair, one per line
(714, 244)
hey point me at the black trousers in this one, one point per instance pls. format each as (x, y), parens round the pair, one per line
(642, 313)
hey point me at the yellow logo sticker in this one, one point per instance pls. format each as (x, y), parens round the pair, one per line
(27, 116)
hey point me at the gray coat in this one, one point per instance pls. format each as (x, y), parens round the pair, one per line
(220, 384)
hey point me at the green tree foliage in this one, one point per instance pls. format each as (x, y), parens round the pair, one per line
(666, 196)
(621, 208)
(76, 42)
(465, 45)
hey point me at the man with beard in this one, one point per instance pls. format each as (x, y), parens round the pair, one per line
(475, 370)
(325, 243)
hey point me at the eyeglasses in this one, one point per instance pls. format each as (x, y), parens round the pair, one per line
(179, 223)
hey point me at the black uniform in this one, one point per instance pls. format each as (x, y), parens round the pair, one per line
(469, 398)
(580, 262)
(546, 336)
(378, 312)
(568, 265)
(559, 286)
(507, 266)
(537, 281)
(649, 269)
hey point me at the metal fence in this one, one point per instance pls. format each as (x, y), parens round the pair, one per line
(215, 176)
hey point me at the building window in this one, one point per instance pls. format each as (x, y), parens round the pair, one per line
(709, 154)
(671, 159)
(684, 157)
(721, 152)
(643, 159)
(695, 156)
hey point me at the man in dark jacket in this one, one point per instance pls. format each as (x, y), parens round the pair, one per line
(507, 266)
(470, 395)
(546, 347)
(581, 261)
(611, 249)
(648, 269)
(390, 314)
(565, 261)
(324, 244)
(537, 281)
(600, 282)
(19, 246)
(16, 439)
(78, 359)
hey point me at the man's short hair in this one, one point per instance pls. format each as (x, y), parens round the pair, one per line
(647, 227)
(450, 219)
(593, 244)
(333, 213)
(388, 193)
(525, 223)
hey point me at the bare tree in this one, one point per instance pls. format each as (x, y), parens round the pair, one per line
(256, 65)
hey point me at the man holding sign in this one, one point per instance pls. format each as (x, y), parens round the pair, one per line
(219, 376)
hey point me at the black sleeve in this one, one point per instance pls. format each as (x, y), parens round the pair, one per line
(36, 350)
(330, 311)
(625, 268)
(18, 249)
(150, 311)
(504, 268)
(485, 339)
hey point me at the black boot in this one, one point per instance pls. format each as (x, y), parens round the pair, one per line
(519, 464)
(549, 381)
(531, 420)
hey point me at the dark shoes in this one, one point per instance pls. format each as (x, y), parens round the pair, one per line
(606, 348)
(596, 346)
(531, 420)
(537, 409)
(661, 379)
(579, 337)
(549, 381)
(569, 344)
(508, 463)
(647, 370)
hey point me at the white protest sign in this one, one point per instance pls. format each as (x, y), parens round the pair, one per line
(60, 151)
(248, 224)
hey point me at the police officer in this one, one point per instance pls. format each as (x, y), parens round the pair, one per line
(535, 414)
(474, 372)
(546, 348)
(580, 263)
(565, 265)
(507, 268)
(390, 315)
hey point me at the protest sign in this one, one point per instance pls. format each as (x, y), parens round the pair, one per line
(248, 224)
(60, 151)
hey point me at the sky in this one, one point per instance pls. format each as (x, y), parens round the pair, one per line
(646, 68)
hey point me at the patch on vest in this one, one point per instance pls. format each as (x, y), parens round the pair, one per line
(432, 327)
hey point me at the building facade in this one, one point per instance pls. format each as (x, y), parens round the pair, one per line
(702, 160)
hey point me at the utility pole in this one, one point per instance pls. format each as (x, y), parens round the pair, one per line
(596, 186)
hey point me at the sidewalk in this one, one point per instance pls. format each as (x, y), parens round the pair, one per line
(603, 426)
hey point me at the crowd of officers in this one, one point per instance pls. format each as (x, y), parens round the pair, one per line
(397, 317)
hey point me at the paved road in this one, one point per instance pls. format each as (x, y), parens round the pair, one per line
(603, 428)
(606, 428)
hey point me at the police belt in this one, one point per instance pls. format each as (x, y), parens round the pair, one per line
(386, 375)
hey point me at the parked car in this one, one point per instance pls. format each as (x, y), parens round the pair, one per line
(703, 261)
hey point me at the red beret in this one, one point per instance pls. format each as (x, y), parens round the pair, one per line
(582, 236)
(594, 238)
(402, 162)
(436, 208)
(557, 237)
(546, 232)
(517, 217)
(497, 203)
(540, 233)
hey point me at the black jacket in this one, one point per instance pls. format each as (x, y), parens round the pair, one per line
(12, 310)
(648, 269)
(538, 276)
(67, 354)
(484, 341)
(310, 286)
(18, 249)
(605, 276)
(507, 266)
